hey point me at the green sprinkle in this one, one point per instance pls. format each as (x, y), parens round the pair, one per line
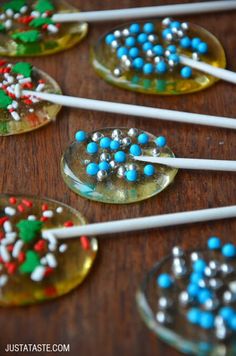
(44, 6)
(40, 21)
(14, 5)
(31, 262)
(23, 68)
(5, 100)
(29, 229)
(2, 28)
(27, 36)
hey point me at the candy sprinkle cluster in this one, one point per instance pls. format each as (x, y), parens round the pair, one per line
(202, 287)
(142, 48)
(28, 23)
(14, 78)
(23, 250)
(112, 155)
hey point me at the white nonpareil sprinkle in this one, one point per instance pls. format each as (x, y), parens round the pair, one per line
(17, 91)
(59, 210)
(51, 260)
(52, 28)
(35, 14)
(63, 248)
(232, 286)
(15, 115)
(9, 238)
(3, 280)
(32, 217)
(8, 24)
(24, 9)
(48, 214)
(4, 253)
(43, 261)
(9, 12)
(38, 274)
(17, 248)
(40, 87)
(10, 211)
(52, 246)
(23, 80)
(7, 226)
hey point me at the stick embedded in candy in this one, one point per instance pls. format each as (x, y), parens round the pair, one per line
(160, 57)
(188, 298)
(27, 28)
(144, 223)
(191, 163)
(151, 11)
(35, 268)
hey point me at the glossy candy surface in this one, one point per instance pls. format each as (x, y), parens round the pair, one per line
(34, 269)
(106, 171)
(143, 57)
(26, 28)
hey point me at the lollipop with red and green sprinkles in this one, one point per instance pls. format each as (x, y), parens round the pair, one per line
(27, 28)
(21, 113)
(34, 268)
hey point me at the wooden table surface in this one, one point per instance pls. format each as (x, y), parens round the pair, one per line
(100, 317)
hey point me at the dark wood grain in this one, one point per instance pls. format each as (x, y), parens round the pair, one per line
(100, 317)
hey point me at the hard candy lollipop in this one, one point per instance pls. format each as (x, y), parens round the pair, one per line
(99, 165)
(34, 268)
(148, 57)
(21, 113)
(27, 28)
(189, 299)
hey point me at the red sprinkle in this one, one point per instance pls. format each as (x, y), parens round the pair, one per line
(43, 219)
(21, 257)
(50, 291)
(2, 220)
(85, 242)
(2, 62)
(68, 223)
(40, 245)
(44, 207)
(11, 267)
(1, 235)
(20, 208)
(48, 271)
(10, 248)
(27, 203)
(12, 200)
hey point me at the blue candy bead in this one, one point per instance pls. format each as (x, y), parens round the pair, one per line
(160, 141)
(143, 138)
(109, 39)
(148, 68)
(174, 57)
(186, 72)
(122, 51)
(142, 38)
(193, 315)
(175, 24)
(135, 150)
(80, 136)
(105, 142)
(204, 295)
(229, 250)
(172, 48)
(202, 48)
(158, 50)
(138, 63)
(131, 175)
(195, 42)
(161, 67)
(149, 170)
(147, 46)
(195, 277)
(134, 52)
(165, 32)
(92, 169)
(149, 27)
(134, 28)
(185, 42)
(226, 313)
(199, 266)
(92, 148)
(164, 281)
(130, 41)
(214, 243)
(232, 323)
(114, 145)
(193, 289)
(104, 166)
(206, 320)
(120, 157)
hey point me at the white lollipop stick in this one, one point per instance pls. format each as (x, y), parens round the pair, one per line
(142, 12)
(143, 223)
(191, 163)
(220, 73)
(135, 110)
